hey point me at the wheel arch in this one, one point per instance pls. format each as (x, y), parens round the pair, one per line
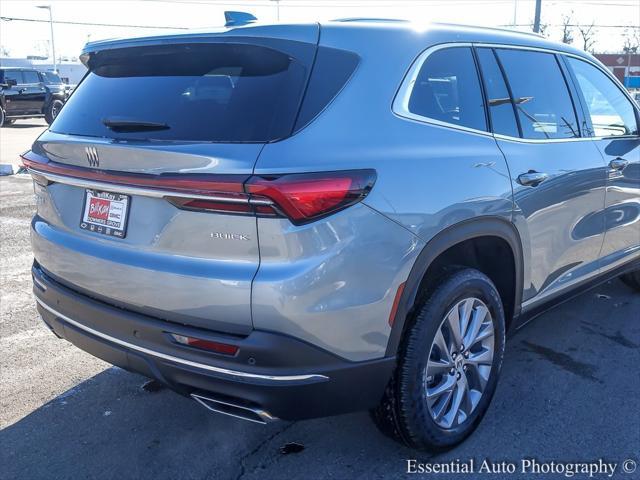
(447, 239)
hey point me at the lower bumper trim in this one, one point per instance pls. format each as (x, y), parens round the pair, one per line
(171, 358)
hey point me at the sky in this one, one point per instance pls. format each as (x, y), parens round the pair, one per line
(122, 18)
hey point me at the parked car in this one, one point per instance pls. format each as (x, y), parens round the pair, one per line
(287, 224)
(28, 93)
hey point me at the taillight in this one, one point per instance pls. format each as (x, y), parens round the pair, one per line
(301, 197)
(306, 197)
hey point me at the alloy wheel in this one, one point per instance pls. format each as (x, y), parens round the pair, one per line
(460, 361)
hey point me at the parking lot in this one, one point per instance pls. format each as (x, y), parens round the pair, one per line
(568, 393)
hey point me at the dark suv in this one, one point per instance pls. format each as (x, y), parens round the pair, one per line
(28, 93)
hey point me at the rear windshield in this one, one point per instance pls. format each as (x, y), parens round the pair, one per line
(216, 92)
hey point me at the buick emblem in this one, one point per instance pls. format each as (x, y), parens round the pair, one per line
(92, 156)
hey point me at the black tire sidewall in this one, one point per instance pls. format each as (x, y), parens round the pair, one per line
(49, 115)
(422, 429)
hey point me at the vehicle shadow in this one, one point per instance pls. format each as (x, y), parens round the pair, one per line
(26, 125)
(562, 377)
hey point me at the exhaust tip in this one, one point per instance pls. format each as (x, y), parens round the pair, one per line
(242, 412)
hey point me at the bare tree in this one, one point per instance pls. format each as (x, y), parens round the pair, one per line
(567, 28)
(542, 28)
(588, 34)
(631, 40)
(4, 51)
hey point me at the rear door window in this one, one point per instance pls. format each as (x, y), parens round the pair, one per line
(30, 76)
(540, 94)
(447, 89)
(611, 112)
(501, 108)
(216, 92)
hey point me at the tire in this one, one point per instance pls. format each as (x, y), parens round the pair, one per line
(9, 121)
(52, 110)
(3, 121)
(632, 279)
(405, 412)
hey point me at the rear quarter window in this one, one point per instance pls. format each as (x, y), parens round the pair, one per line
(446, 88)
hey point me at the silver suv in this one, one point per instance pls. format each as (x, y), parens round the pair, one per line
(293, 221)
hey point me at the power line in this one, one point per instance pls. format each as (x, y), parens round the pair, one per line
(572, 25)
(65, 22)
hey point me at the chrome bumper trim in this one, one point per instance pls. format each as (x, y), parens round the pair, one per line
(171, 358)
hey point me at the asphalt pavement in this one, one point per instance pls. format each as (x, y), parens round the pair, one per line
(17, 138)
(569, 392)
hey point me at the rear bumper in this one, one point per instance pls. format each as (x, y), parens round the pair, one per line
(285, 377)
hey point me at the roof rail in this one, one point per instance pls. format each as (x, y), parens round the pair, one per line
(369, 19)
(235, 19)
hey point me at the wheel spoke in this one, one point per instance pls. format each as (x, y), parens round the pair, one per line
(453, 322)
(480, 376)
(484, 357)
(442, 346)
(486, 332)
(466, 311)
(458, 397)
(440, 407)
(448, 382)
(477, 318)
(438, 367)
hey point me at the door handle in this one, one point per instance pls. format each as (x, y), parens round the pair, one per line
(532, 178)
(618, 163)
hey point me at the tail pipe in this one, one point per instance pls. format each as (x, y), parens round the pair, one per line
(225, 407)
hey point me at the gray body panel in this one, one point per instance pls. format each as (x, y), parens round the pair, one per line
(622, 207)
(562, 217)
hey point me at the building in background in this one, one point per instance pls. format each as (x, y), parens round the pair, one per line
(626, 67)
(69, 72)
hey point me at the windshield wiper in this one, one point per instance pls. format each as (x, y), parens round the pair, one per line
(124, 126)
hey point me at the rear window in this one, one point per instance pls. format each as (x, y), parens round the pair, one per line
(215, 92)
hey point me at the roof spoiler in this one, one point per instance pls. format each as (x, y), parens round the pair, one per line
(235, 19)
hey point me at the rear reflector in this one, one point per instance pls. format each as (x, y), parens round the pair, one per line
(396, 304)
(217, 347)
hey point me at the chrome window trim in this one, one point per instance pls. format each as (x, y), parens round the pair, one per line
(171, 358)
(400, 105)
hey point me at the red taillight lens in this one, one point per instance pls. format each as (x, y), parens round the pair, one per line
(217, 347)
(309, 196)
(302, 197)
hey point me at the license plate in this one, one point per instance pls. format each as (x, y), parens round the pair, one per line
(105, 213)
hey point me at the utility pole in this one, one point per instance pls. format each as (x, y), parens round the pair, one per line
(53, 45)
(515, 12)
(277, 9)
(536, 22)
